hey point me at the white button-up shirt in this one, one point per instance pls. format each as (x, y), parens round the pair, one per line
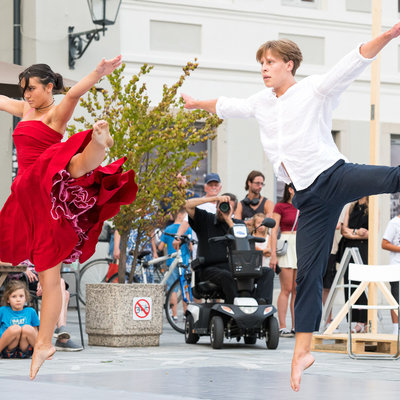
(295, 128)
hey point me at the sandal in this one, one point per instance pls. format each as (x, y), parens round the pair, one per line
(358, 328)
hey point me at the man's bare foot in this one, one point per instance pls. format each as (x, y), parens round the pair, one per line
(300, 364)
(101, 134)
(40, 355)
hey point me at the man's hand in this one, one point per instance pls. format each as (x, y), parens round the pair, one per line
(176, 244)
(395, 31)
(190, 102)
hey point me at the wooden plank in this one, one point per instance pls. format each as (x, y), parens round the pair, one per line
(367, 343)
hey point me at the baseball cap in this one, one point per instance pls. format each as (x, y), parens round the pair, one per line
(212, 178)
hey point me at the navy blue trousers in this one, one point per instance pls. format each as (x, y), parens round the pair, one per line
(320, 206)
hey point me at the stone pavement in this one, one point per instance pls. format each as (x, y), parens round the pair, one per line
(175, 370)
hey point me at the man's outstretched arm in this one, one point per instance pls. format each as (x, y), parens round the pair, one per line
(374, 46)
(193, 104)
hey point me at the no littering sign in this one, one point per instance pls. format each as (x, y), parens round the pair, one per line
(142, 308)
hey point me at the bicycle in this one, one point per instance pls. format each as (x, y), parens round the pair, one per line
(180, 292)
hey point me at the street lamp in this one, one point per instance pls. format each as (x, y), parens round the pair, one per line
(103, 12)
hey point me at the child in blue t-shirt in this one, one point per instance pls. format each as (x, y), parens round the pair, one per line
(185, 252)
(18, 325)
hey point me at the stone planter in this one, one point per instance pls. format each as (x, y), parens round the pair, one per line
(124, 315)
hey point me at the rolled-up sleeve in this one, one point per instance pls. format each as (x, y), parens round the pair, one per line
(234, 108)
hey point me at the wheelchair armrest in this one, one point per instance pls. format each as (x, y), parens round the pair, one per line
(197, 263)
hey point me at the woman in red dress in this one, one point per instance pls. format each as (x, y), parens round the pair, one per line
(61, 195)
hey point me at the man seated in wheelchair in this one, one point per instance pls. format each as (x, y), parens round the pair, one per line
(215, 265)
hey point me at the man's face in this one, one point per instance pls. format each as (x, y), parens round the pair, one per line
(256, 186)
(275, 72)
(212, 188)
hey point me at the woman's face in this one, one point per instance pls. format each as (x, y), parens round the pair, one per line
(37, 94)
(17, 299)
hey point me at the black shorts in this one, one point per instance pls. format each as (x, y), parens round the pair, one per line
(330, 272)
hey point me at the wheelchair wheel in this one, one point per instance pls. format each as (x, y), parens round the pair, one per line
(272, 333)
(190, 337)
(114, 278)
(175, 306)
(250, 339)
(217, 332)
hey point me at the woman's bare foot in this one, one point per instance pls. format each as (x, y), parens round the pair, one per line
(101, 134)
(40, 355)
(299, 364)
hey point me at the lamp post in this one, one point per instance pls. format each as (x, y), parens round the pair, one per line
(104, 13)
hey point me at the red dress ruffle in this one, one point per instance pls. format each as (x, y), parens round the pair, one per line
(50, 217)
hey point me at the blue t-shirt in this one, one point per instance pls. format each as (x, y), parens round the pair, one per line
(168, 240)
(9, 317)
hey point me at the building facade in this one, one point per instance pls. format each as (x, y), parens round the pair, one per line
(224, 36)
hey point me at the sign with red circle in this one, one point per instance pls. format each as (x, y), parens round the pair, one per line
(142, 307)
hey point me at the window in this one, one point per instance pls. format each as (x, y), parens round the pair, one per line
(175, 37)
(358, 5)
(312, 47)
(302, 3)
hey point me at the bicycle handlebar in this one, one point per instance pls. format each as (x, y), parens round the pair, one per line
(185, 239)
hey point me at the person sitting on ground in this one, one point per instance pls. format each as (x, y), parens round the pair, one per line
(18, 324)
(215, 267)
(185, 254)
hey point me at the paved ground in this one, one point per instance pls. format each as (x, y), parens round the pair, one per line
(175, 370)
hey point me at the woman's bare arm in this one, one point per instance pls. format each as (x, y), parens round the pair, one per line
(12, 106)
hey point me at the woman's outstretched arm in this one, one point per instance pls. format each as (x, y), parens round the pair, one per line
(65, 109)
(12, 106)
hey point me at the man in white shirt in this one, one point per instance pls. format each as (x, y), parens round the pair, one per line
(391, 242)
(295, 122)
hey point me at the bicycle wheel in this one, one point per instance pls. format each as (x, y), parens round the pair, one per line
(175, 306)
(114, 278)
(93, 272)
(158, 273)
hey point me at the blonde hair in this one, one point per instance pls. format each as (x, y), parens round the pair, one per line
(11, 287)
(285, 49)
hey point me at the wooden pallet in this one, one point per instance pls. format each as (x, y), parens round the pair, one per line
(362, 343)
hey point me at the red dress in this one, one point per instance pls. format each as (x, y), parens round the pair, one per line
(50, 217)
